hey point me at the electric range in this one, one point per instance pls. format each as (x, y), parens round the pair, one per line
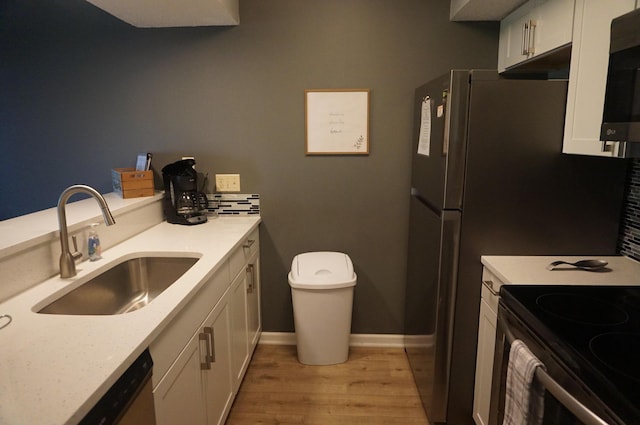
(593, 332)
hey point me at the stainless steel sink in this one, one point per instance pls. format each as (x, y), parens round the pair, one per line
(126, 287)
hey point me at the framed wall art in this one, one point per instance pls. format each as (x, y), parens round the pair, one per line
(337, 122)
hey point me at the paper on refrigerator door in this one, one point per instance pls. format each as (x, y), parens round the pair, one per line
(424, 141)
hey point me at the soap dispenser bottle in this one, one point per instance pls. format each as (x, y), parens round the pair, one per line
(95, 251)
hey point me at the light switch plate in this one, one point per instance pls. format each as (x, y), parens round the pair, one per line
(228, 182)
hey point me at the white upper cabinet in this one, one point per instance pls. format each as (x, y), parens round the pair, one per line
(481, 10)
(588, 76)
(535, 28)
(169, 13)
(514, 37)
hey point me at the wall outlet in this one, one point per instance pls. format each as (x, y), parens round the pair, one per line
(228, 182)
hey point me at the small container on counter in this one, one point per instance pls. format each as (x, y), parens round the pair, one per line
(95, 251)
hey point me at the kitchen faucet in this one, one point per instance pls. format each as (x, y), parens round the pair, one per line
(67, 258)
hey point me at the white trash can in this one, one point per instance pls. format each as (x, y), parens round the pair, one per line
(322, 292)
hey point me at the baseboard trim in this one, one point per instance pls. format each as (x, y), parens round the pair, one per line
(356, 340)
(277, 338)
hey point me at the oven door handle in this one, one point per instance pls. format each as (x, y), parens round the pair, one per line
(582, 412)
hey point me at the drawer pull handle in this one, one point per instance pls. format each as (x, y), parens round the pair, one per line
(210, 357)
(489, 284)
(525, 39)
(211, 347)
(250, 270)
(249, 243)
(531, 50)
(204, 365)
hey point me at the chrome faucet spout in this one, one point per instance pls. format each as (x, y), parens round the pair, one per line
(68, 258)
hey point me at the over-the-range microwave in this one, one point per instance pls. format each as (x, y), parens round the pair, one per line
(621, 116)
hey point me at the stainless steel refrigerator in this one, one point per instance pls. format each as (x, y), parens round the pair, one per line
(489, 178)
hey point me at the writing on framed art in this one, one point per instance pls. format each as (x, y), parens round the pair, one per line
(337, 121)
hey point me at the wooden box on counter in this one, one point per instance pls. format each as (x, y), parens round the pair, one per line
(129, 183)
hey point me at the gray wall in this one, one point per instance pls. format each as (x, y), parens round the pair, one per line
(83, 92)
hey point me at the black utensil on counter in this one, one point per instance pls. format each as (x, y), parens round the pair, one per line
(589, 265)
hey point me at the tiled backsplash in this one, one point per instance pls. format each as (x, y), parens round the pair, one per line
(234, 204)
(629, 243)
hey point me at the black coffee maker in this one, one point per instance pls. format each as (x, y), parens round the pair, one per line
(182, 202)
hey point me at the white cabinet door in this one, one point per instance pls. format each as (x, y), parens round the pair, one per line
(535, 28)
(178, 397)
(254, 323)
(514, 38)
(173, 339)
(217, 380)
(197, 388)
(553, 24)
(588, 75)
(484, 364)
(195, 383)
(239, 338)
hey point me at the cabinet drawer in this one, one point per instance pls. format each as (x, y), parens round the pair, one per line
(490, 298)
(491, 289)
(166, 348)
(241, 256)
(490, 280)
(252, 244)
(236, 262)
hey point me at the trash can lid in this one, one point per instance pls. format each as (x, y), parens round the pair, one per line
(322, 270)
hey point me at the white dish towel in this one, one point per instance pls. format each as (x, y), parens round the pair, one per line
(524, 400)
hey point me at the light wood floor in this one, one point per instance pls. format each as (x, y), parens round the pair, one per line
(373, 387)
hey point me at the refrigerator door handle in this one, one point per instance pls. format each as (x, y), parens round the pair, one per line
(447, 121)
(449, 257)
(447, 278)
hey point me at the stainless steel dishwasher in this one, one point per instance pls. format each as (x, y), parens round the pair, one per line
(130, 400)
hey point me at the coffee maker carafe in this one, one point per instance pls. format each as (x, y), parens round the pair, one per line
(182, 202)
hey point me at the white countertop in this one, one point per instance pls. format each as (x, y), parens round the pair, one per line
(54, 368)
(533, 270)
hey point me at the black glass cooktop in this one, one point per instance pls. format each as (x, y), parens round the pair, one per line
(595, 330)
